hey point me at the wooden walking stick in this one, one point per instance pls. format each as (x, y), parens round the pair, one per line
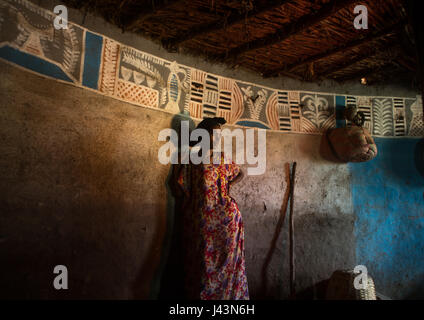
(291, 234)
(280, 223)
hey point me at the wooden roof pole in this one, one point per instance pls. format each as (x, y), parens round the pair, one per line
(289, 30)
(138, 19)
(368, 54)
(342, 48)
(217, 25)
(365, 72)
(415, 21)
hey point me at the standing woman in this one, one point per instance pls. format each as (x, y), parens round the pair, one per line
(213, 232)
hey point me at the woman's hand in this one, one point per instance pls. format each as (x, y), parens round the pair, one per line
(237, 179)
(175, 187)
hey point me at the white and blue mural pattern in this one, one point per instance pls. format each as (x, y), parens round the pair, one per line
(86, 59)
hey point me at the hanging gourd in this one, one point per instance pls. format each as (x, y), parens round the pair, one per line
(352, 143)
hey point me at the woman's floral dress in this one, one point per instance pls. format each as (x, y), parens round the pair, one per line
(213, 233)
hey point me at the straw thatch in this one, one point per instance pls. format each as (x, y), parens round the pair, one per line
(308, 40)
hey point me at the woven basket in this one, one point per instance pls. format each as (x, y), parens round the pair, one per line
(341, 287)
(352, 144)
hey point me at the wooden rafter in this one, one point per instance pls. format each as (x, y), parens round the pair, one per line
(367, 55)
(408, 64)
(309, 62)
(415, 22)
(289, 30)
(138, 19)
(366, 72)
(350, 45)
(347, 64)
(223, 22)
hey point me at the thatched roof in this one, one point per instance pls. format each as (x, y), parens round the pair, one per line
(307, 40)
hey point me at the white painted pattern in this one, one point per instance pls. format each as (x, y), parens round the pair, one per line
(417, 123)
(207, 94)
(383, 117)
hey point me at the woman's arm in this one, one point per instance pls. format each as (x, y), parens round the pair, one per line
(237, 179)
(176, 188)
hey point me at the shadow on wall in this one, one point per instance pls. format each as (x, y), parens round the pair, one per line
(264, 292)
(169, 277)
(70, 197)
(419, 157)
(401, 160)
(326, 151)
(416, 289)
(320, 250)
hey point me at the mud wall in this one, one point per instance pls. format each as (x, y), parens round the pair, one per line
(81, 186)
(387, 194)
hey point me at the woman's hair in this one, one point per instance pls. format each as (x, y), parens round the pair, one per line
(209, 124)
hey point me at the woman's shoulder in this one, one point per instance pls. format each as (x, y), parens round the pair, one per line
(227, 158)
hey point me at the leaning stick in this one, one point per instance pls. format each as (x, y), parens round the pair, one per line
(291, 233)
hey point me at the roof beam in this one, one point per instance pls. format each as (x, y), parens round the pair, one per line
(365, 72)
(290, 29)
(347, 64)
(415, 21)
(368, 54)
(350, 45)
(392, 62)
(223, 22)
(132, 23)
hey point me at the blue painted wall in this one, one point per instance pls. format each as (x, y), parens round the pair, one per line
(93, 52)
(33, 63)
(389, 228)
(340, 106)
(252, 124)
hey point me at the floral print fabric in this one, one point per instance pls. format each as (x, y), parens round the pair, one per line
(213, 233)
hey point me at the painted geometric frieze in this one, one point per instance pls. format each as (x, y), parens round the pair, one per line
(28, 36)
(351, 103)
(225, 91)
(140, 74)
(318, 112)
(165, 83)
(272, 112)
(178, 88)
(142, 95)
(399, 116)
(254, 102)
(340, 111)
(196, 93)
(295, 114)
(283, 111)
(364, 104)
(284, 120)
(109, 67)
(211, 96)
(237, 103)
(382, 114)
(416, 127)
(85, 59)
